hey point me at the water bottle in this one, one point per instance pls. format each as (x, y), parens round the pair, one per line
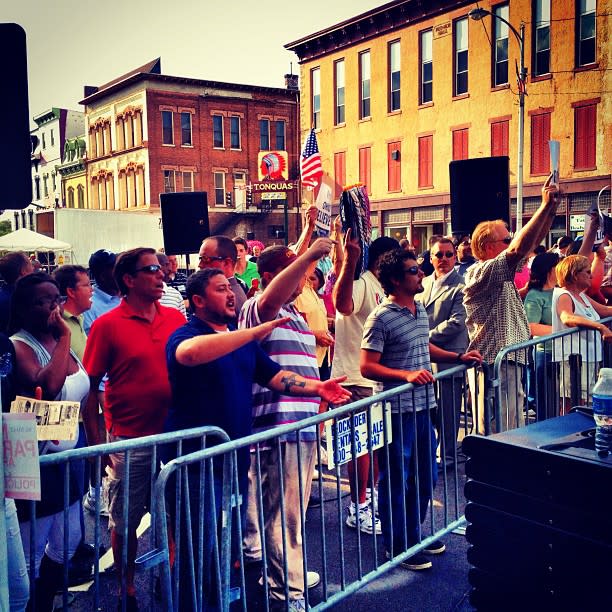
(602, 412)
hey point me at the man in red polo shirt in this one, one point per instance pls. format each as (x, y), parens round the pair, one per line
(129, 344)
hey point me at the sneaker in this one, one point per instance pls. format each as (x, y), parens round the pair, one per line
(435, 548)
(293, 605)
(372, 500)
(297, 605)
(89, 503)
(367, 523)
(416, 563)
(312, 579)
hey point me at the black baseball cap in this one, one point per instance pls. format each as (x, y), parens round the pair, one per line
(101, 259)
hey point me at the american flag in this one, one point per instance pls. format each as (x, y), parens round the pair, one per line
(310, 162)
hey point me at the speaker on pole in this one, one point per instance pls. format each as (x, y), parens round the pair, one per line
(184, 221)
(480, 191)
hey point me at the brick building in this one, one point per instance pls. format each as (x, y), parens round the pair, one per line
(150, 133)
(398, 92)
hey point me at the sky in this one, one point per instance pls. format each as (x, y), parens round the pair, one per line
(72, 43)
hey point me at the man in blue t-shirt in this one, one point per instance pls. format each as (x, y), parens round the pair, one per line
(212, 370)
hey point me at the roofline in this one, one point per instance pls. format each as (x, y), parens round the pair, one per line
(141, 76)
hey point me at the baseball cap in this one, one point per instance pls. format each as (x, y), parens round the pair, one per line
(101, 259)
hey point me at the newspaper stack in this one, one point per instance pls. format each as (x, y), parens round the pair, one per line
(54, 420)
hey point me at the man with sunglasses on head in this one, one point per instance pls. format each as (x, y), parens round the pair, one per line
(221, 252)
(442, 298)
(495, 313)
(129, 344)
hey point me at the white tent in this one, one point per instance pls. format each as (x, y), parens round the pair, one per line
(27, 240)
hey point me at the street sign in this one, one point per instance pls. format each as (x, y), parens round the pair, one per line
(274, 195)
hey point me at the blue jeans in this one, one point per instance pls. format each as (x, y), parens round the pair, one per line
(18, 580)
(412, 453)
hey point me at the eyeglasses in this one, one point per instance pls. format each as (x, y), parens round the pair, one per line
(58, 300)
(412, 270)
(150, 269)
(447, 254)
(209, 259)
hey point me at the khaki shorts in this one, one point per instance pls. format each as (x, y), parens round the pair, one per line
(139, 487)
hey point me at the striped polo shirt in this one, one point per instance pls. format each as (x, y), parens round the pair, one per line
(292, 346)
(402, 339)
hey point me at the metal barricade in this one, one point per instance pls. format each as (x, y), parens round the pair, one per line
(264, 542)
(63, 464)
(543, 377)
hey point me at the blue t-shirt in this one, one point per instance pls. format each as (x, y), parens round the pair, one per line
(219, 393)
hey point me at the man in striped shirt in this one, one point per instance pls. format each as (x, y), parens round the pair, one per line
(395, 350)
(292, 346)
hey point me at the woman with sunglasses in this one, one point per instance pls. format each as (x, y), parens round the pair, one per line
(41, 339)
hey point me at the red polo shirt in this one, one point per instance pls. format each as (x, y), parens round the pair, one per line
(132, 351)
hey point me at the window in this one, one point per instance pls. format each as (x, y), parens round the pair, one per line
(279, 133)
(339, 91)
(70, 197)
(81, 196)
(460, 144)
(52, 137)
(234, 132)
(339, 172)
(315, 88)
(44, 140)
(426, 161)
(540, 135)
(264, 134)
(219, 188)
(365, 169)
(426, 44)
(585, 121)
(394, 166)
(585, 33)
(394, 76)
(37, 187)
(541, 38)
(364, 85)
(500, 50)
(169, 181)
(54, 181)
(460, 41)
(167, 128)
(46, 185)
(499, 138)
(187, 181)
(217, 131)
(186, 130)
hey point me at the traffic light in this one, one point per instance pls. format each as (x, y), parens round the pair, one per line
(228, 198)
(249, 197)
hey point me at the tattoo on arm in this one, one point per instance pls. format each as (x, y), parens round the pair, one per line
(291, 381)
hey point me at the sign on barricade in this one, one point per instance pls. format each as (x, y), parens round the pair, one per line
(339, 434)
(21, 466)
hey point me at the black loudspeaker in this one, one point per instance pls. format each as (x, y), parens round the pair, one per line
(480, 191)
(184, 221)
(15, 145)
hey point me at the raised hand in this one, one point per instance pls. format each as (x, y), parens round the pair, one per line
(352, 249)
(320, 248)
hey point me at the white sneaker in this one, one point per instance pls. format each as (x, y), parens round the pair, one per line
(297, 605)
(372, 500)
(312, 579)
(367, 523)
(89, 503)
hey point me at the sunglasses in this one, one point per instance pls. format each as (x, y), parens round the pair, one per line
(506, 240)
(208, 259)
(412, 270)
(447, 254)
(150, 269)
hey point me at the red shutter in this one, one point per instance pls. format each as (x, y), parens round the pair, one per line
(394, 168)
(339, 172)
(499, 138)
(425, 161)
(584, 137)
(364, 168)
(540, 135)
(460, 144)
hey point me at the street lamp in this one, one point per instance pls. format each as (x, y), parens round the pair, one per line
(477, 14)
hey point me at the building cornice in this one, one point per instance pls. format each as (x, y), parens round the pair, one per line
(371, 24)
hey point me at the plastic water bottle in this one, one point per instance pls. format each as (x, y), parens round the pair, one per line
(602, 412)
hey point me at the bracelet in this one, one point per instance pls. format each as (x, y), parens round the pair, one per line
(458, 358)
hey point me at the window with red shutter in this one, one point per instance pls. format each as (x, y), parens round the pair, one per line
(365, 172)
(499, 138)
(426, 161)
(394, 180)
(584, 137)
(339, 172)
(460, 144)
(540, 135)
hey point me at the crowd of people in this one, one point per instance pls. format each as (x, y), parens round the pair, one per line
(264, 336)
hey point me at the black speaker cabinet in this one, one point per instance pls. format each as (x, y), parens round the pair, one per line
(480, 191)
(15, 145)
(184, 221)
(539, 517)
